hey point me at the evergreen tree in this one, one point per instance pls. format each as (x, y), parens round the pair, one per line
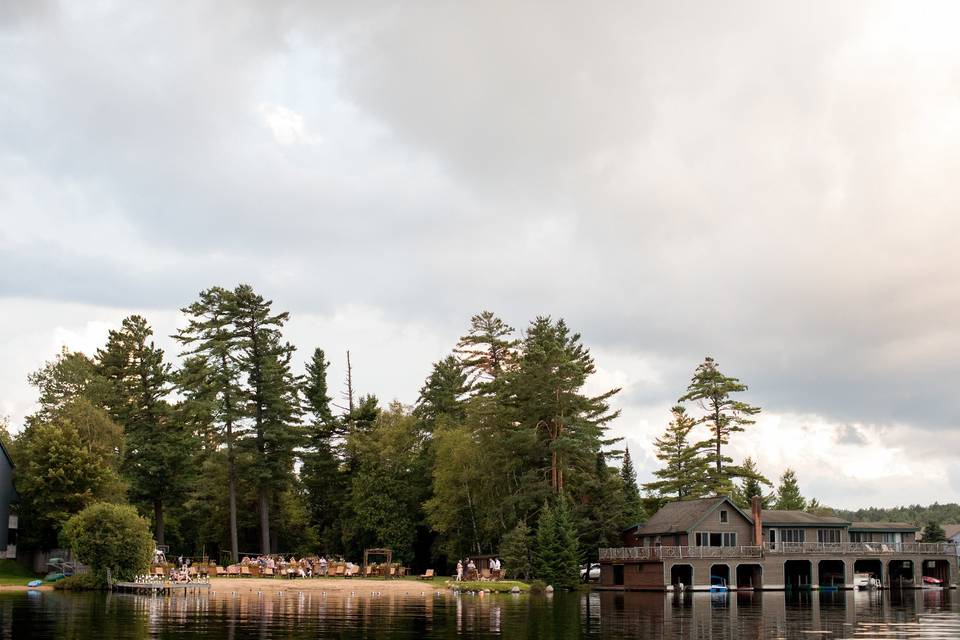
(323, 482)
(685, 472)
(271, 398)
(752, 484)
(788, 493)
(818, 509)
(546, 389)
(157, 448)
(933, 532)
(487, 350)
(712, 391)
(631, 491)
(568, 561)
(601, 511)
(516, 553)
(443, 393)
(546, 551)
(210, 336)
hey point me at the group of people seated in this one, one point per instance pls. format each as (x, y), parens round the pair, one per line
(291, 568)
(469, 571)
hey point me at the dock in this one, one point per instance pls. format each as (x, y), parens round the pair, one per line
(163, 588)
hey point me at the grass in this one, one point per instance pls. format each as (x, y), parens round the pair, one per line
(12, 572)
(497, 586)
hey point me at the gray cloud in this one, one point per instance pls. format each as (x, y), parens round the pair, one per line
(768, 184)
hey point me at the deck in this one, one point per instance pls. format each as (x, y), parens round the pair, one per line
(863, 549)
(162, 588)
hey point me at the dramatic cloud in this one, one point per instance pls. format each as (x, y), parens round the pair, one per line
(770, 184)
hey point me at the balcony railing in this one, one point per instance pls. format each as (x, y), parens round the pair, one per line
(780, 548)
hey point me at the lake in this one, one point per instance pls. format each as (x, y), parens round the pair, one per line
(893, 614)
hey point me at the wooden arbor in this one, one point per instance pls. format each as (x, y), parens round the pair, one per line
(387, 553)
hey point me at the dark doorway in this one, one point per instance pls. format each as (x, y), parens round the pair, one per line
(719, 575)
(618, 574)
(937, 570)
(901, 573)
(797, 574)
(832, 574)
(749, 576)
(865, 569)
(681, 575)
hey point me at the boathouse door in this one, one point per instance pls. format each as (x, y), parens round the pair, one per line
(773, 538)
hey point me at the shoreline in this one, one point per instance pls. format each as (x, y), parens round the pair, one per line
(348, 585)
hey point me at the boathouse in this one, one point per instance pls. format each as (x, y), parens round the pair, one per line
(712, 543)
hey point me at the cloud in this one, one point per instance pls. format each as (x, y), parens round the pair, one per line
(768, 184)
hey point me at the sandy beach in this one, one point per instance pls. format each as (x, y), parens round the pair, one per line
(359, 585)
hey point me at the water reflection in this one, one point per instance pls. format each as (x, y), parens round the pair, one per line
(844, 614)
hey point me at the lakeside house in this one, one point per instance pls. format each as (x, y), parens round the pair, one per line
(712, 542)
(8, 497)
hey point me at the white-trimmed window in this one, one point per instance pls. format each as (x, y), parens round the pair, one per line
(724, 516)
(828, 536)
(792, 535)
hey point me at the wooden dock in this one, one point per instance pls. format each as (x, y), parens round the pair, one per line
(163, 588)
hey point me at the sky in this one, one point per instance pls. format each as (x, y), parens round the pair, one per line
(770, 184)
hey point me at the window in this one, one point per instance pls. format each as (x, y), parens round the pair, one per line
(723, 515)
(791, 535)
(646, 541)
(708, 539)
(857, 536)
(890, 538)
(828, 535)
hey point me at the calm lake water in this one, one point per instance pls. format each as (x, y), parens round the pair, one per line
(910, 614)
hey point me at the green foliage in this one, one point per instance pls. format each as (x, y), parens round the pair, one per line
(157, 453)
(556, 554)
(724, 415)
(516, 552)
(788, 493)
(487, 350)
(633, 504)
(818, 509)
(752, 484)
(685, 474)
(933, 532)
(58, 473)
(110, 536)
(443, 393)
(919, 515)
(83, 582)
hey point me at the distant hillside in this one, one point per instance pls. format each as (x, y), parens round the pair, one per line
(915, 513)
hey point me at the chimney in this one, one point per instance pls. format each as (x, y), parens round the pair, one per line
(757, 523)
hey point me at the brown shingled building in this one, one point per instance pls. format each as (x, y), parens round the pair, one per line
(712, 543)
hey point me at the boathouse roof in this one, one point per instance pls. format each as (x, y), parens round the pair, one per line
(882, 526)
(776, 517)
(682, 516)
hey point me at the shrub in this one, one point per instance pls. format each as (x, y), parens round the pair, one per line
(85, 582)
(110, 536)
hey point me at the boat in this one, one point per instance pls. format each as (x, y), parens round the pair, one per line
(718, 584)
(865, 581)
(929, 582)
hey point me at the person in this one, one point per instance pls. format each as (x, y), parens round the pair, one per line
(323, 566)
(459, 570)
(471, 570)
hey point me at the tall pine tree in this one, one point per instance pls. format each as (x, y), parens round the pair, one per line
(157, 448)
(270, 396)
(631, 492)
(684, 474)
(724, 415)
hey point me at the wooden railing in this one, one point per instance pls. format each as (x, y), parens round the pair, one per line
(781, 548)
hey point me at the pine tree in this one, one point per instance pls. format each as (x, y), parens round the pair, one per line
(685, 472)
(443, 393)
(157, 448)
(724, 415)
(547, 549)
(788, 493)
(320, 472)
(271, 398)
(933, 532)
(752, 484)
(631, 492)
(516, 553)
(487, 351)
(210, 337)
(546, 389)
(568, 559)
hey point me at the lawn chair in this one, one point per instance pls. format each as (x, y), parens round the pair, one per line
(339, 572)
(427, 576)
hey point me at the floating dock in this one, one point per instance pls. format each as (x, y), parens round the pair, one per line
(163, 588)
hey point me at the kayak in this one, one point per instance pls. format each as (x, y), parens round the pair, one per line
(35, 583)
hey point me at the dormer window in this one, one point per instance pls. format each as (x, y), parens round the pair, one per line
(723, 515)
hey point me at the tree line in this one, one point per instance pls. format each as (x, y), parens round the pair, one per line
(228, 450)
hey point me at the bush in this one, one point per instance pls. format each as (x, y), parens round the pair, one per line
(110, 536)
(85, 582)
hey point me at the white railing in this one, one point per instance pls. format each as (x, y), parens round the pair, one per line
(780, 548)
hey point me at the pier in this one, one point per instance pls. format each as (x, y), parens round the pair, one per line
(163, 588)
